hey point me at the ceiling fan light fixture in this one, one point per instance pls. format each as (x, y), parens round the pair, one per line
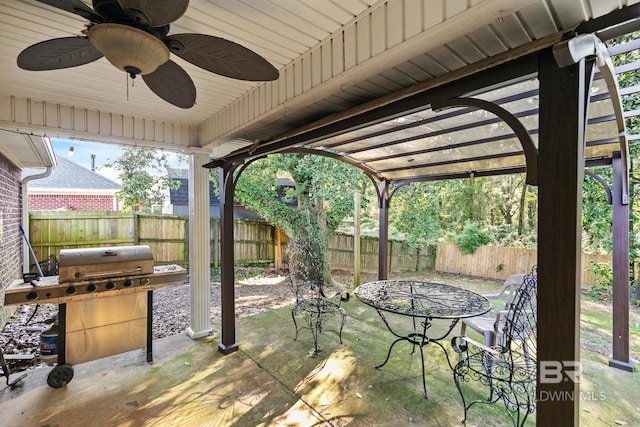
(128, 49)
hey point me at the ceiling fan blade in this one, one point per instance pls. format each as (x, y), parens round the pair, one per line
(75, 6)
(158, 12)
(172, 83)
(55, 54)
(221, 56)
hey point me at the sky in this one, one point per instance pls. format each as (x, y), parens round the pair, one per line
(82, 151)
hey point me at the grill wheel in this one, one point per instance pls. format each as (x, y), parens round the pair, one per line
(60, 376)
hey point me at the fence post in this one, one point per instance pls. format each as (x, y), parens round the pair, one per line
(357, 267)
(136, 228)
(277, 250)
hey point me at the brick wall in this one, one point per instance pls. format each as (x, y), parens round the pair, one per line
(76, 202)
(10, 236)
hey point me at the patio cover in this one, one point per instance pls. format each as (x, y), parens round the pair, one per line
(540, 109)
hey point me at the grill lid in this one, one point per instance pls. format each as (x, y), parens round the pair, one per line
(104, 262)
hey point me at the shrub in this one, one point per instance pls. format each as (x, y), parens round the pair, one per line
(602, 289)
(471, 238)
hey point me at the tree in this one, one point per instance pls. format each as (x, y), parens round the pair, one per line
(311, 209)
(596, 213)
(507, 194)
(144, 177)
(415, 212)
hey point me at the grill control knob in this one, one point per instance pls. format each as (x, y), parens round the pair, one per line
(110, 285)
(128, 283)
(32, 296)
(72, 290)
(91, 287)
(144, 281)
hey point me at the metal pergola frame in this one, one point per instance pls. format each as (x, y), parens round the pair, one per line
(565, 70)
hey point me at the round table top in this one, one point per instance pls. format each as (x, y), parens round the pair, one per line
(422, 299)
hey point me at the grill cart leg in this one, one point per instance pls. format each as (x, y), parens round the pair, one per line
(61, 374)
(150, 326)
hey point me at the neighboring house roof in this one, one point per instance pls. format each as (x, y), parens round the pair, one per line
(179, 198)
(70, 177)
(181, 195)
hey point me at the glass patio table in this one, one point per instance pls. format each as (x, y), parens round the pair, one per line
(424, 302)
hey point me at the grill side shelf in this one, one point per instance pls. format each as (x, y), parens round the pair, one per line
(49, 290)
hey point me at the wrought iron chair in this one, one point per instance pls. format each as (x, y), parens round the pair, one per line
(311, 303)
(490, 325)
(507, 369)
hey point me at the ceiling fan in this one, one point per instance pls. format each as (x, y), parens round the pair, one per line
(134, 36)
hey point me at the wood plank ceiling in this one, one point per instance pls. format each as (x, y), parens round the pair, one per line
(332, 55)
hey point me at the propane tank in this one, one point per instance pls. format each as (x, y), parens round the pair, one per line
(49, 343)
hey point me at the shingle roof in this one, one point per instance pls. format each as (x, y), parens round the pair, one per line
(180, 196)
(71, 175)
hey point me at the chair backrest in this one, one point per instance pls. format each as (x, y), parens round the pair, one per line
(520, 329)
(306, 280)
(508, 290)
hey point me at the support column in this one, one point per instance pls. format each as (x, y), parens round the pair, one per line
(199, 249)
(357, 255)
(562, 121)
(620, 263)
(227, 260)
(383, 233)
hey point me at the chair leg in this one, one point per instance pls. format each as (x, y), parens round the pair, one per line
(316, 328)
(295, 324)
(314, 320)
(456, 379)
(489, 338)
(344, 320)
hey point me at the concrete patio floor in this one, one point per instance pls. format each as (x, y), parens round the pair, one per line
(270, 381)
(188, 384)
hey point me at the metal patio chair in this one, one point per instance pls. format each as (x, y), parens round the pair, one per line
(507, 370)
(490, 324)
(312, 305)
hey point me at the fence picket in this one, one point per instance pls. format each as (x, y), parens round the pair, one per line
(168, 237)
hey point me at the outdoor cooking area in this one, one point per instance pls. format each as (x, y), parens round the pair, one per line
(105, 305)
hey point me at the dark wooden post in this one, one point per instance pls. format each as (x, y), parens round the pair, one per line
(227, 276)
(563, 103)
(620, 258)
(383, 234)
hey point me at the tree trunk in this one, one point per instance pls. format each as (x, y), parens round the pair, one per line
(323, 237)
(523, 197)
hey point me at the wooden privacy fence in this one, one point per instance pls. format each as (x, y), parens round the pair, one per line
(255, 242)
(499, 263)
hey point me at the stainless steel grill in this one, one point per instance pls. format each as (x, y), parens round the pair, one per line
(85, 272)
(105, 302)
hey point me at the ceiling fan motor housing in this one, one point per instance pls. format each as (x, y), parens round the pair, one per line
(129, 49)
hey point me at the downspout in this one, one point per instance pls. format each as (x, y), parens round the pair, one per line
(25, 213)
